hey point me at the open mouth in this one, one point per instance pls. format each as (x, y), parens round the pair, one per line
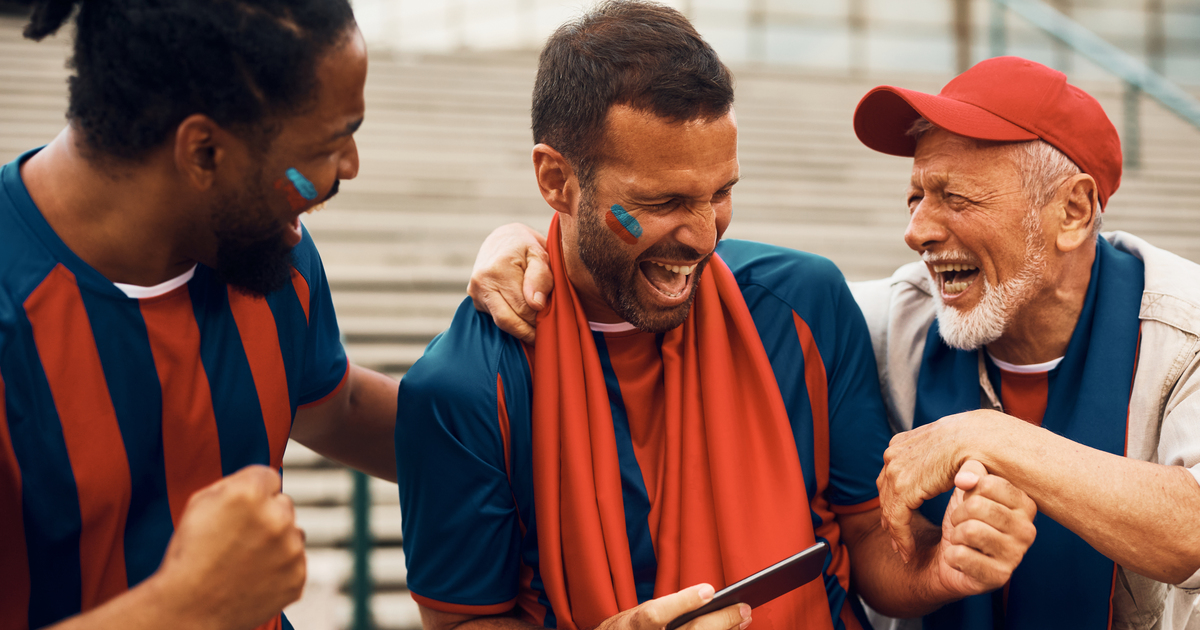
(955, 277)
(670, 280)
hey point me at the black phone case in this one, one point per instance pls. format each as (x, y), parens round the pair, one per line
(764, 586)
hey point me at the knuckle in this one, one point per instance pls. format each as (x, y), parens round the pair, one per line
(976, 506)
(644, 617)
(1028, 533)
(993, 485)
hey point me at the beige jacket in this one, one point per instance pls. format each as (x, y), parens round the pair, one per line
(1164, 411)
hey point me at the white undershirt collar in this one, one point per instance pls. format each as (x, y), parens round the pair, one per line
(141, 293)
(1036, 368)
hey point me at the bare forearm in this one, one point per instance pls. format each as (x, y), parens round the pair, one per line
(144, 607)
(885, 581)
(436, 620)
(1139, 514)
(357, 427)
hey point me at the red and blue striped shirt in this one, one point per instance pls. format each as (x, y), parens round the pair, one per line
(464, 438)
(115, 409)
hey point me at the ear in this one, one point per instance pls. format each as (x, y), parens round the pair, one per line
(556, 179)
(1077, 202)
(199, 150)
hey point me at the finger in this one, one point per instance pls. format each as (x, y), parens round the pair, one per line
(1003, 491)
(539, 281)
(262, 478)
(998, 531)
(284, 507)
(507, 319)
(1009, 546)
(987, 572)
(658, 612)
(969, 474)
(514, 295)
(735, 616)
(895, 515)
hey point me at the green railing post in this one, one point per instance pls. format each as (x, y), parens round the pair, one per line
(997, 35)
(1132, 141)
(362, 552)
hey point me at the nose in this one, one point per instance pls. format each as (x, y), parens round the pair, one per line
(924, 226)
(700, 229)
(348, 164)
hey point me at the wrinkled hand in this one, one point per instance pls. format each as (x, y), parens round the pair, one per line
(987, 528)
(657, 613)
(237, 557)
(920, 464)
(511, 279)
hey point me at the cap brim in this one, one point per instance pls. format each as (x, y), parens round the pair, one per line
(884, 116)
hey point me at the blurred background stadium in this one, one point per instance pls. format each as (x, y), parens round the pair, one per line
(445, 158)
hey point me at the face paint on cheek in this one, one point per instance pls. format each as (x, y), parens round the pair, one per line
(300, 192)
(306, 188)
(623, 225)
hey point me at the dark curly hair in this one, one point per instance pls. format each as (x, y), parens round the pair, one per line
(623, 52)
(143, 66)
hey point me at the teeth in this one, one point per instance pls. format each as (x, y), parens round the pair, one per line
(953, 267)
(684, 270)
(954, 288)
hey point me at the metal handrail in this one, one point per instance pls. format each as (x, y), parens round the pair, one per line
(362, 587)
(1137, 76)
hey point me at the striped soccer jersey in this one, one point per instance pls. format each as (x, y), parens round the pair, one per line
(464, 443)
(115, 410)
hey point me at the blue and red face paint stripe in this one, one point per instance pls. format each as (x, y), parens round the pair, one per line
(623, 224)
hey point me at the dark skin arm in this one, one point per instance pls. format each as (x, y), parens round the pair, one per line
(235, 560)
(356, 426)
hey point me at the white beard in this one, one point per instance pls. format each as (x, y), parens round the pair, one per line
(987, 321)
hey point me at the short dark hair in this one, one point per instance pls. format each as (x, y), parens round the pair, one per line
(143, 66)
(623, 52)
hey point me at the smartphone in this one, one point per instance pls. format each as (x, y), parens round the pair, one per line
(764, 586)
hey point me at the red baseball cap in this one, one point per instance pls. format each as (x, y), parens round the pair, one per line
(1005, 99)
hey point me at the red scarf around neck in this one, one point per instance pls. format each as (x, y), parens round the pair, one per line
(733, 496)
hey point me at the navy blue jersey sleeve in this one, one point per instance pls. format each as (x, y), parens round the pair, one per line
(792, 294)
(460, 524)
(325, 359)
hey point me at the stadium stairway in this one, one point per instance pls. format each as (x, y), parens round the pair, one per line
(445, 158)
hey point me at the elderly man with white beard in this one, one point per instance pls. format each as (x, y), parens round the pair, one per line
(1066, 362)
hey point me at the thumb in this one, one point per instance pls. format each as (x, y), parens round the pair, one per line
(262, 478)
(538, 282)
(668, 607)
(969, 474)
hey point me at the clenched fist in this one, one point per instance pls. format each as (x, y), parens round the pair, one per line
(237, 557)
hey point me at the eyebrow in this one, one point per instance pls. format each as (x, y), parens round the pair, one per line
(349, 130)
(674, 195)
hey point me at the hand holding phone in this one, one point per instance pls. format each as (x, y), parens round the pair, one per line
(764, 586)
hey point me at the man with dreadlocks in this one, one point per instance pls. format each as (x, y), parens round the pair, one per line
(165, 321)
